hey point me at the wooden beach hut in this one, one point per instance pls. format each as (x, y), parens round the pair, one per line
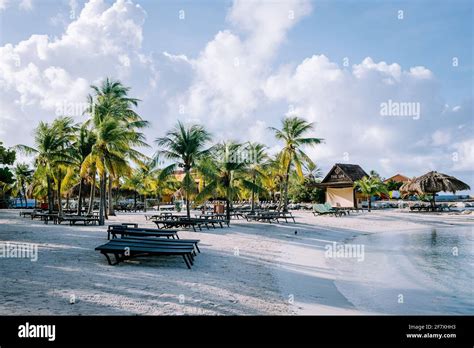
(339, 185)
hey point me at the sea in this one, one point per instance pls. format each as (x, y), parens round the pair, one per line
(413, 272)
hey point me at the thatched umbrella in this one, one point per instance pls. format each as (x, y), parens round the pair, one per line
(434, 182)
(410, 187)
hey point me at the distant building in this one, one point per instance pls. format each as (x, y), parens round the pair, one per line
(339, 185)
(397, 178)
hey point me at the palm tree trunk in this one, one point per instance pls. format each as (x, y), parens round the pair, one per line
(144, 202)
(285, 188)
(253, 195)
(79, 198)
(111, 211)
(135, 201)
(50, 195)
(60, 206)
(370, 203)
(106, 214)
(188, 212)
(102, 199)
(92, 196)
(21, 198)
(24, 195)
(227, 209)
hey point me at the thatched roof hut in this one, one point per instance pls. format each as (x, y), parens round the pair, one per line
(410, 187)
(433, 182)
(339, 185)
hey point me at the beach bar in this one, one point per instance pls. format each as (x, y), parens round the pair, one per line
(339, 185)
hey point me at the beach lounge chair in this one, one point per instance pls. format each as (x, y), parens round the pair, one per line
(172, 223)
(126, 249)
(73, 219)
(114, 230)
(163, 241)
(321, 209)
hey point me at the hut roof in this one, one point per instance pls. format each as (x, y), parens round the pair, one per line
(344, 173)
(398, 178)
(433, 182)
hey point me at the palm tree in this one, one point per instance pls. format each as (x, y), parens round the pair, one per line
(115, 125)
(292, 134)
(370, 186)
(51, 143)
(112, 149)
(147, 173)
(23, 177)
(65, 130)
(185, 145)
(225, 174)
(256, 167)
(134, 183)
(81, 148)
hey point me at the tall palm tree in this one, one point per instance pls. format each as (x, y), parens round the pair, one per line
(370, 186)
(23, 177)
(256, 168)
(111, 152)
(184, 145)
(292, 134)
(115, 125)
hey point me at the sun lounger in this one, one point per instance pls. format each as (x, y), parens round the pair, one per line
(321, 209)
(125, 249)
(86, 220)
(262, 216)
(163, 224)
(114, 230)
(163, 241)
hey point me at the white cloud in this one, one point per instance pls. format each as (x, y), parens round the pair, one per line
(230, 70)
(177, 58)
(441, 137)
(39, 73)
(25, 5)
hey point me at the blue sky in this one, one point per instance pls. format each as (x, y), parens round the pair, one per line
(284, 67)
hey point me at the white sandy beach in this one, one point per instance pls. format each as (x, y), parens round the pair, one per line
(248, 269)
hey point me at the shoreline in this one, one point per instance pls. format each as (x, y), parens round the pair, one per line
(324, 296)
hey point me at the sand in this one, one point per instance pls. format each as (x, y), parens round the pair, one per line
(250, 268)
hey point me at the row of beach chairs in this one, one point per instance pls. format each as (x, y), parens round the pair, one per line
(56, 218)
(126, 242)
(270, 216)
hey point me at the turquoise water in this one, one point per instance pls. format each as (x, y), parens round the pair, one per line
(412, 272)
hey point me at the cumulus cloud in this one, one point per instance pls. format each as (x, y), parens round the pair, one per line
(229, 71)
(40, 73)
